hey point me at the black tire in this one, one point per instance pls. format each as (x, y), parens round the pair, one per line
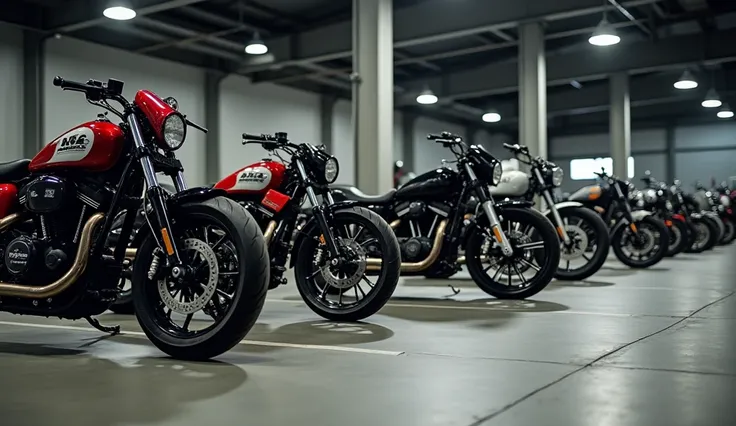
(678, 237)
(603, 244)
(702, 236)
(730, 233)
(386, 280)
(543, 228)
(654, 224)
(716, 231)
(247, 299)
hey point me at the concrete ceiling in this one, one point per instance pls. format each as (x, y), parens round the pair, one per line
(465, 51)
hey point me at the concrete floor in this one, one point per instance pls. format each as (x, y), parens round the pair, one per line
(627, 348)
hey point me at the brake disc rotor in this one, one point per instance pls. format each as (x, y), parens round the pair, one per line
(648, 245)
(579, 243)
(199, 300)
(357, 267)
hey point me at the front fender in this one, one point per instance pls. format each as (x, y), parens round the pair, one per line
(638, 215)
(311, 223)
(512, 203)
(564, 205)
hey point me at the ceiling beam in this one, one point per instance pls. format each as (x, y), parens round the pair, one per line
(585, 64)
(90, 14)
(449, 20)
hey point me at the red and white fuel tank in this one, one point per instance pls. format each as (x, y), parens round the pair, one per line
(256, 178)
(94, 146)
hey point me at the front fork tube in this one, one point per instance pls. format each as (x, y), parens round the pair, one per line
(503, 241)
(556, 216)
(318, 211)
(155, 194)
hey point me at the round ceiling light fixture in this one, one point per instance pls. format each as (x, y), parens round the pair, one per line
(256, 46)
(119, 12)
(604, 34)
(725, 112)
(686, 81)
(427, 97)
(491, 117)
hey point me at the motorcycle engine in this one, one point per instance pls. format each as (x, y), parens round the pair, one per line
(415, 249)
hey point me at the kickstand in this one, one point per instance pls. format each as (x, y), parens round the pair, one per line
(113, 330)
(455, 291)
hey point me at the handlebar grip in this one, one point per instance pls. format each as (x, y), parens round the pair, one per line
(58, 81)
(254, 137)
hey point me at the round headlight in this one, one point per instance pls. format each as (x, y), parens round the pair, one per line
(497, 172)
(557, 175)
(668, 205)
(332, 169)
(650, 196)
(175, 130)
(725, 201)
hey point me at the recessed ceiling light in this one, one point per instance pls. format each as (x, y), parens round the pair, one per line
(119, 13)
(491, 117)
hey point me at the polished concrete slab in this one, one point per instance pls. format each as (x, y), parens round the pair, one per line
(651, 347)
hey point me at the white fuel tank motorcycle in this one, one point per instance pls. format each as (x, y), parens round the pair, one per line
(584, 238)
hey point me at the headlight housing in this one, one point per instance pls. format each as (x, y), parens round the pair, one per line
(557, 175)
(332, 169)
(174, 131)
(650, 196)
(497, 173)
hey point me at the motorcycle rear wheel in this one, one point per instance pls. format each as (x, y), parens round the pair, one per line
(703, 234)
(541, 228)
(678, 237)
(244, 290)
(730, 233)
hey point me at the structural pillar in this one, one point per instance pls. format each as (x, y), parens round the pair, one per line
(326, 117)
(213, 79)
(407, 137)
(373, 94)
(670, 146)
(33, 64)
(532, 89)
(620, 124)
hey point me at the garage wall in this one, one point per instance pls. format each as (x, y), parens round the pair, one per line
(78, 60)
(647, 147)
(428, 154)
(262, 108)
(11, 93)
(705, 152)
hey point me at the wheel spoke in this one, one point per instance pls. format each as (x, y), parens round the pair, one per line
(228, 273)
(361, 288)
(498, 271)
(586, 257)
(529, 264)
(357, 234)
(188, 320)
(366, 242)
(567, 267)
(523, 280)
(531, 246)
(368, 281)
(217, 244)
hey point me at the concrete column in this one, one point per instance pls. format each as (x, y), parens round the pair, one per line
(670, 146)
(620, 124)
(33, 64)
(408, 121)
(326, 118)
(373, 95)
(212, 123)
(532, 89)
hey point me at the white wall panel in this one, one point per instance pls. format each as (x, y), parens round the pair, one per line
(11, 93)
(80, 61)
(262, 108)
(702, 166)
(493, 143)
(715, 135)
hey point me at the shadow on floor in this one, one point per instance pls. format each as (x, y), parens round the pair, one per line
(321, 333)
(431, 282)
(118, 390)
(578, 284)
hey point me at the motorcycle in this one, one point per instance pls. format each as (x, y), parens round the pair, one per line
(701, 202)
(326, 243)
(336, 249)
(704, 228)
(583, 234)
(57, 210)
(429, 217)
(638, 239)
(657, 198)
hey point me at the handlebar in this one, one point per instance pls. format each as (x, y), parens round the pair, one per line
(444, 137)
(94, 89)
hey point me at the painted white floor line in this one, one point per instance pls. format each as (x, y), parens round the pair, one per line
(243, 342)
(483, 308)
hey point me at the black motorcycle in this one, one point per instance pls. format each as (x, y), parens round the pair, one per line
(584, 239)
(638, 239)
(703, 228)
(504, 241)
(657, 197)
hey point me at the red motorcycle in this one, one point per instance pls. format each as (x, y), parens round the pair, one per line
(197, 247)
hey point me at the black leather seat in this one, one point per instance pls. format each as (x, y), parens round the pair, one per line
(355, 194)
(14, 170)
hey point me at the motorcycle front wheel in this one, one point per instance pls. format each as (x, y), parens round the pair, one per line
(589, 241)
(642, 249)
(703, 236)
(678, 237)
(730, 233)
(506, 277)
(225, 253)
(351, 289)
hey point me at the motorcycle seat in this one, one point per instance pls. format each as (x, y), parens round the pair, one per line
(14, 170)
(355, 194)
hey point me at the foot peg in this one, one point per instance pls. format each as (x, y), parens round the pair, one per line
(112, 330)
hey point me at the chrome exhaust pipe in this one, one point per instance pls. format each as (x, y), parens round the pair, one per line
(375, 264)
(268, 233)
(71, 276)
